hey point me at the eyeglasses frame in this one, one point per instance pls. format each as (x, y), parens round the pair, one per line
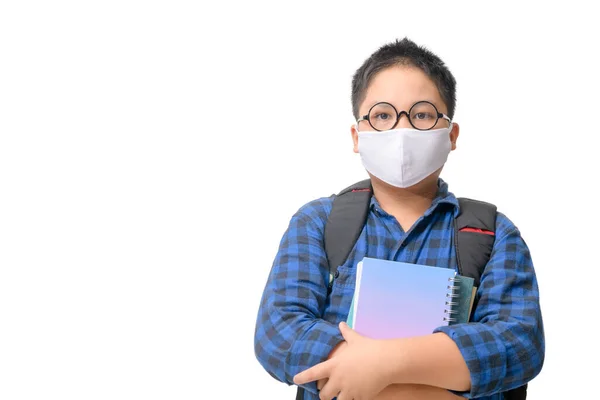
(399, 115)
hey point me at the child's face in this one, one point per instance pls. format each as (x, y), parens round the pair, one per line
(401, 86)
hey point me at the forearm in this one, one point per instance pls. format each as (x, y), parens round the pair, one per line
(502, 348)
(432, 360)
(415, 392)
(285, 349)
(291, 334)
(500, 355)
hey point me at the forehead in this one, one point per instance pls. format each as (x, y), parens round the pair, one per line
(402, 86)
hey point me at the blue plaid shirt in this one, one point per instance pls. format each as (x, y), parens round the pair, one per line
(297, 324)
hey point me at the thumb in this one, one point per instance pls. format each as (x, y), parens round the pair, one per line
(348, 333)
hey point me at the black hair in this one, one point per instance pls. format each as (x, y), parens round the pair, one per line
(408, 53)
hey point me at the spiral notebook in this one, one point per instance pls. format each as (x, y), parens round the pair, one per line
(393, 299)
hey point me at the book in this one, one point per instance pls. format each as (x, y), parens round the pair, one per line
(394, 299)
(463, 304)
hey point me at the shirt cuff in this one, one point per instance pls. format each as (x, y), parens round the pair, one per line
(475, 352)
(312, 348)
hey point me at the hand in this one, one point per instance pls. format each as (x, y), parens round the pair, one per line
(356, 373)
(336, 351)
(321, 383)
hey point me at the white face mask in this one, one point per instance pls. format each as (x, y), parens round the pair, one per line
(404, 157)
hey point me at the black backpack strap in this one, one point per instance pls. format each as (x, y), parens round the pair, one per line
(475, 235)
(345, 222)
(300, 393)
(475, 228)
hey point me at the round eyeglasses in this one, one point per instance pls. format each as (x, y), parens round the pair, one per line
(383, 116)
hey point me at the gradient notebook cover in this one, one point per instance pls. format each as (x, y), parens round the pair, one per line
(393, 299)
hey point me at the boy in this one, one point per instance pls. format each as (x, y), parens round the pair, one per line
(403, 99)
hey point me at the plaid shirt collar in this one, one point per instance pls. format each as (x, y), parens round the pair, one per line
(443, 196)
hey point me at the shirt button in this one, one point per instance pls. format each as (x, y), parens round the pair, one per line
(337, 274)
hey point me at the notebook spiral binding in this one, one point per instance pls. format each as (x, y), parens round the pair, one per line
(450, 303)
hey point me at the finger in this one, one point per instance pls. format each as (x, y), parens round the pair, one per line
(315, 373)
(329, 391)
(342, 396)
(348, 333)
(321, 383)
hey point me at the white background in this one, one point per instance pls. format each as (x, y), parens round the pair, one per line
(152, 153)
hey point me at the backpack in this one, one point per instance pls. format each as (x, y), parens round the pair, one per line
(474, 240)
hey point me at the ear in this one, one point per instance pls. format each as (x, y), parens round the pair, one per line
(454, 134)
(354, 137)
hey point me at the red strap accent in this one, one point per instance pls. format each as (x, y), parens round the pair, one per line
(477, 230)
(361, 190)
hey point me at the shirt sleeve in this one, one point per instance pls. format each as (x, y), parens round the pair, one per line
(504, 346)
(290, 335)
